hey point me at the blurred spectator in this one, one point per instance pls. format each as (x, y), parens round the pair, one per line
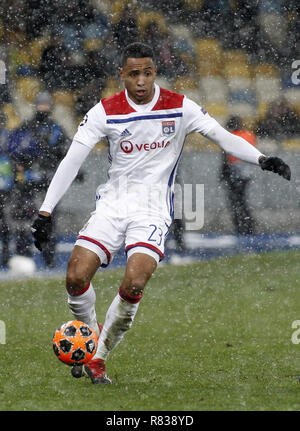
(6, 184)
(242, 26)
(36, 149)
(38, 16)
(125, 30)
(110, 54)
(77, 21)
(161, 43)
(97, 69)
(293, 30)
(61, 68)
(68, 19)
(206, 17)
(103, 6)
(95, 25)
(53, 61)
(235, 176)
(281, 121)
(214, 13)
(14, 14)
(172, 8)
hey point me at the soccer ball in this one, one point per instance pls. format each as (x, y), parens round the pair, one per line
(74, 343)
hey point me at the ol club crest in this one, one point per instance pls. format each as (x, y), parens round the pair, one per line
(168, 127)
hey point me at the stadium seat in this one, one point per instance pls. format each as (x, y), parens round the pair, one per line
(64, 97)
(195, 141)
(184, 83)
(235, 56)
(207, 46)
(243, 95)
(266, 69)
(274, 25)
(36, 47)
(180, 31)
(267, 82)
(188, 58)
(19, 58)
(190, 87)
(193, 4)
(270, 5)
(262, 108)
(219, 111)
(291, 144)
(100, 146)
(267, 88)
(195, 95)
(209, 68)
(63, 110)
(145, 17)
(64, 116)
(164, 82)
(237, 70)
(248, 115)
(214, 89)
(104, 6)
(27, 88)
(13, 121)
(117, 7)
(92, 44)
(209, 57)
(112, 86)
(237, 83)
(244, 110)
(292, 95)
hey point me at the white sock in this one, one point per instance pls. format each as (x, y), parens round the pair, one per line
(83, 307)
(119, 319)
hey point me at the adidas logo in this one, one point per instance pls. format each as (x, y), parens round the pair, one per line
(125, 133)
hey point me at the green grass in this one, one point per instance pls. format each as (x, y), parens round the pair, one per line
(214, 335)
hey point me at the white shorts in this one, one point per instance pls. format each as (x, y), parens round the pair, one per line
(105, 235)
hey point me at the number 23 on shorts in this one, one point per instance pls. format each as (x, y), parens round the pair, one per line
(156, 235)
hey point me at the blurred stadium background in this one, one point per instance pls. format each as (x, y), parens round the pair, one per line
(232, 57)
(234, 316)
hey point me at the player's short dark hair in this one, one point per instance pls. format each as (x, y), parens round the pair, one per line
(137, 50)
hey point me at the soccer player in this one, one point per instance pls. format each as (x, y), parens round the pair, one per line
(145, 127)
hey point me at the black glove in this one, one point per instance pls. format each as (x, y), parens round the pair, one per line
(41, 231)
(275, 164)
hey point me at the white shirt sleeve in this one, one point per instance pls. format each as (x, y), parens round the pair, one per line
(234, 145)
(65, 174)
(198, 120)
(90, 131)
(93, 127)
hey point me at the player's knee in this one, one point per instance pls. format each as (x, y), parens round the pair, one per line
(136, 284)
(75, 281)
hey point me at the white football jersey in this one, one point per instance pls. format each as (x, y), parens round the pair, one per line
(145, 144)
